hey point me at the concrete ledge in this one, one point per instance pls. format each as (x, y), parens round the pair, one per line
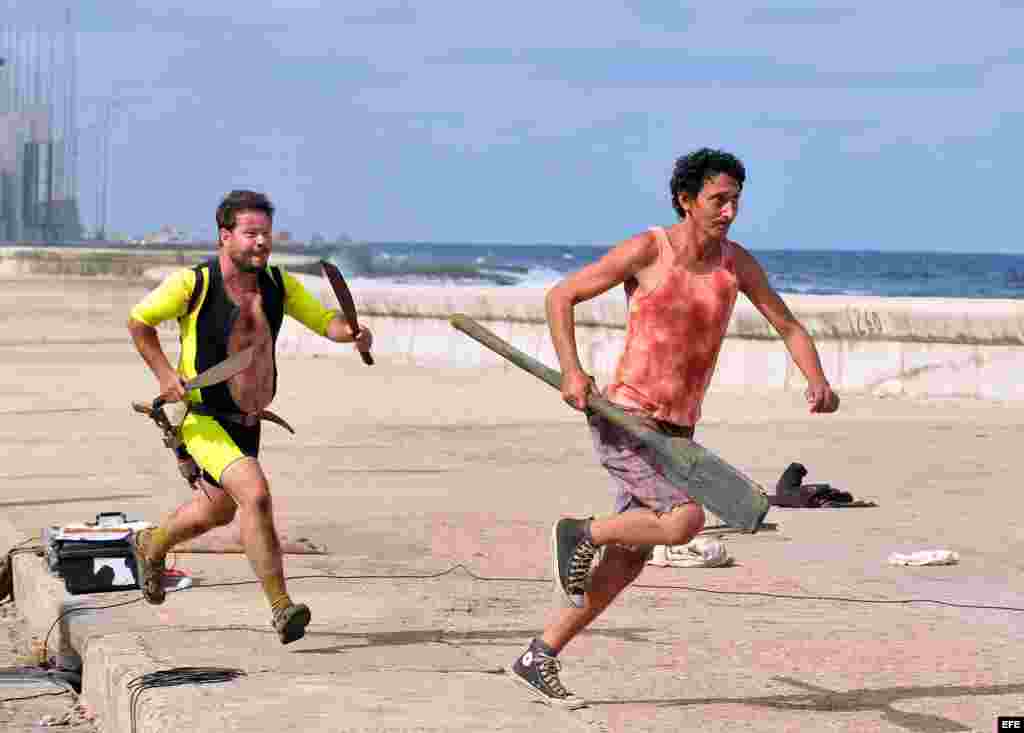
(104, 645)
(857, 318)
(886, 346)
(419, 684)
(41, 599)
(917, 347)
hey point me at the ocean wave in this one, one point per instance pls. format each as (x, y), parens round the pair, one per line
(853, 273)
(423, 266)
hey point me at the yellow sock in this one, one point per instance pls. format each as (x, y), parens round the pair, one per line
(158, 544)
(273, 586)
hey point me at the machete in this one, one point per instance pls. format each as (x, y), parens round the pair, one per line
(348, 306)
(216, 374)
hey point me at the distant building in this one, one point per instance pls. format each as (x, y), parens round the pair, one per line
(38, 198)
(166, 235)
(33, 203)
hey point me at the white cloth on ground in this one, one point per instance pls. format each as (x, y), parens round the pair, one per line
(925, 557)
(702, 552)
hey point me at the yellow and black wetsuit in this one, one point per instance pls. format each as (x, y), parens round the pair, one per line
(197, 299)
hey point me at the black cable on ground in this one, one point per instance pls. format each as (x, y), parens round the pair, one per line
(206, 675)
(475, 576)
(175, 677)
(46, 640)
(19, 549)
(33, 697)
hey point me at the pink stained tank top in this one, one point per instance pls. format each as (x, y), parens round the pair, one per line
(673, 336)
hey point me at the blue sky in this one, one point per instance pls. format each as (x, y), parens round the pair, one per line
(892, 126)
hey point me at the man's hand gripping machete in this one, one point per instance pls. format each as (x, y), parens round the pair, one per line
(172, 439)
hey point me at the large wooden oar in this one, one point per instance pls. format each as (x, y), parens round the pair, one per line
(727, 492)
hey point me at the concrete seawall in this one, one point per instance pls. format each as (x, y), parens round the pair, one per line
(895, 346)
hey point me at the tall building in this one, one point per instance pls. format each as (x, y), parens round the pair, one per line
(38, 137)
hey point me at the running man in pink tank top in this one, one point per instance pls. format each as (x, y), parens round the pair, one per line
(681, 283)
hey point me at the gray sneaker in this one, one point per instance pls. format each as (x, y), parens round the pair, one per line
(571, 557)
(148, 574)
(538, 672)
(291, 621)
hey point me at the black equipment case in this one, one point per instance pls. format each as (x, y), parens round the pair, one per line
(94, 557)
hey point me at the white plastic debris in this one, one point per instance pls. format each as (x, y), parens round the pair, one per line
(50, 721)
(702, 552)
(925, 557)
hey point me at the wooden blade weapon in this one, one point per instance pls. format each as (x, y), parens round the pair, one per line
(733, 497)
(348, 306)
(214, 375)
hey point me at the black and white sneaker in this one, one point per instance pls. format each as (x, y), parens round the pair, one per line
(571, 557)
(539, 672)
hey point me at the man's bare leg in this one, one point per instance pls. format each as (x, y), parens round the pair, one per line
(644, 528)
(245, 481)
(575, 541)
(618, 568)
(150, 546)
(621, 564)
(209, 508)
(537, 667)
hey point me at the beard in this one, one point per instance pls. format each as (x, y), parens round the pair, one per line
(244, 264)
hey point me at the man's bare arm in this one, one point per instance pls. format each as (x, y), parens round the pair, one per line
(147, 342)
(621, 263)
(754, 283)
(303, 306)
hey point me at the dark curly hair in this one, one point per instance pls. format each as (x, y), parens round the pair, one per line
(692, 170)
(238, 201)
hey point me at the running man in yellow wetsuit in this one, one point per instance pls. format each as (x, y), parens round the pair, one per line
(223, 306)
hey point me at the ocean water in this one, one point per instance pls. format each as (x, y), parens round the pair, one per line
(902, 274)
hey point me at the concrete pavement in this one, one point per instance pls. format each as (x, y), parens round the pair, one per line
(404, 471)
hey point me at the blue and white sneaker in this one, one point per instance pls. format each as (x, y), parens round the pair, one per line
(539, 673)
(571, 557)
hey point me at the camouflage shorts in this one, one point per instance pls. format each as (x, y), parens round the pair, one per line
(640, 481)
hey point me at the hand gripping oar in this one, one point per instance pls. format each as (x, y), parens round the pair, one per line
(732, 496)
(348, 306)
(214, 375)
